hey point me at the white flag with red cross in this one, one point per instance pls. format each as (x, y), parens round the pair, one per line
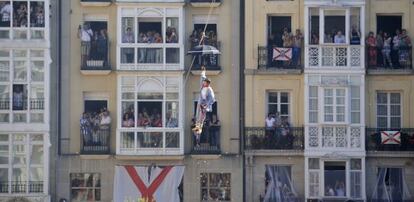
(390, 137)
(282, 54)
(147, 183)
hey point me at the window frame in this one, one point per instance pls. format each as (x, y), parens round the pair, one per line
(208, 187)
(388, 106)
(93, 187)
(334, 105)
(279, 103)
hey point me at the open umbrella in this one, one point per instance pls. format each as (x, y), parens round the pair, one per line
(204, 50)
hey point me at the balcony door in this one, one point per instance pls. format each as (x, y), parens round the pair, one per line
(389, 23)
(275, 27)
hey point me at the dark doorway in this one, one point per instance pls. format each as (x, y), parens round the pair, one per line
(209, 28)
(92, 106)
(389, 23)
(275, 26)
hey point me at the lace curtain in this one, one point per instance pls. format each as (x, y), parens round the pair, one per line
(279, 187)
(391, 186)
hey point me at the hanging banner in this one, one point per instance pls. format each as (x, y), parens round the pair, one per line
(282, 54)
(390, 137)
(147, 183)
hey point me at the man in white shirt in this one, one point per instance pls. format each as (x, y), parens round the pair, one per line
(5, 10)
(339, 38)
(270, 121)
(85, 34)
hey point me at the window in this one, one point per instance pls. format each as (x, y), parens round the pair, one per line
(356, 178)
(94, 43)
(85, 186)
(278, 182)
(24, 19)
(391, 185)
(21, 163)
(22, 87)
(334, 105)
(334, 29)
(335, 180)
(279, 103)
(215, 186)
(313, 104)
(149, 38)
(314, 167)
(389, 110)
(150, 106)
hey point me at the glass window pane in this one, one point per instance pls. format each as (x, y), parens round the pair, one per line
(37, 53)
(314, 25)
(172, 55)
(20, 34)
(355, 117)
(284, 97)
(284, 109)
(172, 114)
(127, 55)
(313, 163)
(19, 97)
(382, 122)
(4, 154)
(395, 122)
(395, 98)
(355, 35)
(150, 55)
(36, 174)
(5, 10)
(4, 34)
(172, 30)
(356, 164)
(127, 140)
(150, 30)
(395, 110)
(4, 176)
(19, 154)
(19, 174)
(313, 91)
(149, 140)
(273, 97)
(150, 114)
(128, 30)
(37, 14)
(20, 14)
(128, 114)
(37, 68)
(382, 110)
(20, 71)
(4, 70)
(172, 140)
(382, 98)
(4, 97)
(36, 155)
(334, 26)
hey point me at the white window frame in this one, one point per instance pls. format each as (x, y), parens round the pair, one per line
(28, 83)
(151, 12)
(208, 188)
(93, 187)
(29, 29)
(388, 105)
(164, 130)
(334, 105)
(279, 103)
(27, 144)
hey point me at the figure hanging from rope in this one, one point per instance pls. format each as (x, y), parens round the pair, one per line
(204, 104)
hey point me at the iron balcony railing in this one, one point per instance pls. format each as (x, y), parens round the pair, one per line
(95, 139)
(21, 186)
(272, 57)
(205, 1)
(389, 139)
(391, 59)
(261, 138)
(209, 141)
(95, 55)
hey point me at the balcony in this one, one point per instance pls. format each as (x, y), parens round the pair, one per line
(210, 61)
(401, 139)
(34, 103)
(334, 137)
(283, 60)
(209, 142)
(95, 139)
(395, 62)
(21, 187)
(95, 2)
(261, 138)
(334, 56)
(205, 3)
(95, 58)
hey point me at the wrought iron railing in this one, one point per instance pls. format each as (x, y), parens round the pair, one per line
(334, 56)
(389, 139)
(95, 140)
(95, 58)
(261, 138)
(209, 141)
(272, 57)
(390, 59)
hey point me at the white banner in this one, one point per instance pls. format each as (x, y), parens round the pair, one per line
(147, 183)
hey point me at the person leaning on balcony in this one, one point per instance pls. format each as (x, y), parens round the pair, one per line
(297, 45)
(339, 37)
(371, 42)
(269, 129)
(396, 48)
(85, 34)
(355, 36)
(405, 49)
(386, 50)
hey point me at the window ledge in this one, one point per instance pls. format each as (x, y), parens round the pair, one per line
(399, 154)
(384, 71)
(95, 3)
(272, 71)
(149, 157)
(208, 72)
(94, 157)
(205, 156)
(95, 72)
(205, 4)
(285, 152)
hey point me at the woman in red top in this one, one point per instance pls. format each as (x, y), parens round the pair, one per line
(372, 50)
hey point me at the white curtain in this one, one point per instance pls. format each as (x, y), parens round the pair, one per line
(280, 187)
(391, 186)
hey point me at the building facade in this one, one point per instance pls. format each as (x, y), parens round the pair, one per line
(337, 100)
(129, 61)
(25, 63)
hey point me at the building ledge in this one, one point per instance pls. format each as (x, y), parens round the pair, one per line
(205, 3)
(149, 157)
(208, 72)
(95, 2)
(95, 72)
(205, 156)
(94, 156)
(274, 152)
(396, 154)
(384, 71)
(272, 71)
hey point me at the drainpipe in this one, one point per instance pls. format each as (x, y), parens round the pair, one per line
(241, 93)
(59, 81)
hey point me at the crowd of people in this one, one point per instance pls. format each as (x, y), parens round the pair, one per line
(338, 190)
(94, 44)
(148, 119)
(95, 127)
(21, 13)
(199, 37)
(285, 39)
(385, 50)
(277, 132)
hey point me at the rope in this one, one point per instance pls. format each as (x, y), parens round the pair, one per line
(201, 40)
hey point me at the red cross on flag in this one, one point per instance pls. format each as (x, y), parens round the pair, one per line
(282, 54)
(390, 137)
(147, 183)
